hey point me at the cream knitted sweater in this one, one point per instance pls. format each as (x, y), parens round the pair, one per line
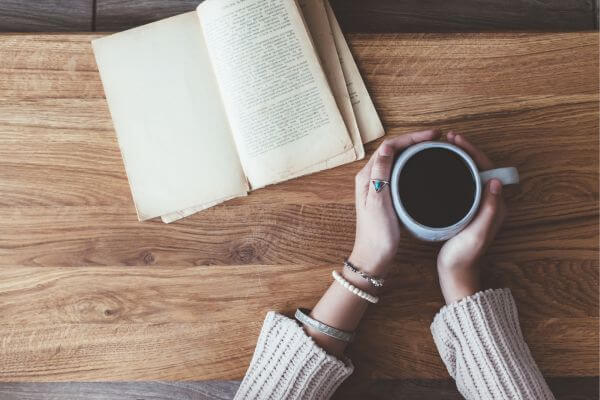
(478, 338)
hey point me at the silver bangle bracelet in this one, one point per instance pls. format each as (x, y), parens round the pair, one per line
(377, 282)
(302, 316)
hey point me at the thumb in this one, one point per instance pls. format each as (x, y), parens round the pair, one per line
(491, 211)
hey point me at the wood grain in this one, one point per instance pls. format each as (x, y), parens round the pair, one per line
(215, 390)
(269, 234)
(115, 15)
(580, 388)
(543, 288)
(354, 15)
(461, 16)
(50, 86)
(88, 293)
(222, 350)
(46, 15)
(52, 312)
(391, 15)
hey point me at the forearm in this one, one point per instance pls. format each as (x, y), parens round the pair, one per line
(375, 245)
(341, 309)
(288, 364)
(295, 362)
(480, 341)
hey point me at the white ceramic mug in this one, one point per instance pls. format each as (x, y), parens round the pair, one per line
(507, 176)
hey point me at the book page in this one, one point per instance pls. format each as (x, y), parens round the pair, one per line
(177, 215)
(318, 25)
(319, 28)
(369, 124)
(321, 33)
(171, 125)
(280, 107)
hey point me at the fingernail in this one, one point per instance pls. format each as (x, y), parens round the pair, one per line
(386, 150)
(495, 187)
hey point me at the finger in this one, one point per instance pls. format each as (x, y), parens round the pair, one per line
(367, 167)
(499, 219)
(482, 161)
(362, 180)
(392, 145)
(361, 184)
(403, 141)
(491, 212)
(382, 169)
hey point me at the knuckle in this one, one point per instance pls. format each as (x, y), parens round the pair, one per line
(378, 164)
(382, 165)
(379, 173)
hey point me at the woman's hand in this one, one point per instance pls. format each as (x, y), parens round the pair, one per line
(457, 261)
(377, 237)
(377, 226)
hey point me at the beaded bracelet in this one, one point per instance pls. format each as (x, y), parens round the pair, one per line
(302, 315)
(360, 293)
(377, 282)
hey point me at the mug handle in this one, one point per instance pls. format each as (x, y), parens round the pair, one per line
(507, 176)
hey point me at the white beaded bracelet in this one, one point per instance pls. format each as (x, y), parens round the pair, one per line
(360, 293)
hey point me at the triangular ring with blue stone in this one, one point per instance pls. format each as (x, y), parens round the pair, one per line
(379, 184)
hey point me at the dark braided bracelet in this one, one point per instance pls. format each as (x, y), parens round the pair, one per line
(377, 282)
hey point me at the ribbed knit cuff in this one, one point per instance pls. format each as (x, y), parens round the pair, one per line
(480, 341)
(288, 364)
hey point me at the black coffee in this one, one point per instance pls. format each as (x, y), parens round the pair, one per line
(436, 187)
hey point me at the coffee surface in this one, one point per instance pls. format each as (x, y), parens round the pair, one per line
(436, 187)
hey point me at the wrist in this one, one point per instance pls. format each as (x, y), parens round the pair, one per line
(377, 268)
(458, 282)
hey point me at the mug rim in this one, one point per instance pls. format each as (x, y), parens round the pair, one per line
(409, 153)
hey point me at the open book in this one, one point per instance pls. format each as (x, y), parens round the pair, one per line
(240, 94)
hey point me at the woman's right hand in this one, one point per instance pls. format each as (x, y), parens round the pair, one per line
(377, 227)
(457, 261)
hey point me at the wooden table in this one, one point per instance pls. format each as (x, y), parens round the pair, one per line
(355, 15)
(87, 293)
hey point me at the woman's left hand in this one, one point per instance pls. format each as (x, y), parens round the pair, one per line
(377, 226)
(458, 259)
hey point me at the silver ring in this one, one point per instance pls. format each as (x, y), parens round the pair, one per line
(378, 184)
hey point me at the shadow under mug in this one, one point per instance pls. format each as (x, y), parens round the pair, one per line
(507, 176)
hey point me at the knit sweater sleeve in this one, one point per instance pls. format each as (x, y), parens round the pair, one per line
(481, 343)
(288, 364)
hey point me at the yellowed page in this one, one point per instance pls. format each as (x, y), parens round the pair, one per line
(281, 110)
(175, 216)
(318, 25)
(320, 30)
(369, 124)
(170, 122)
